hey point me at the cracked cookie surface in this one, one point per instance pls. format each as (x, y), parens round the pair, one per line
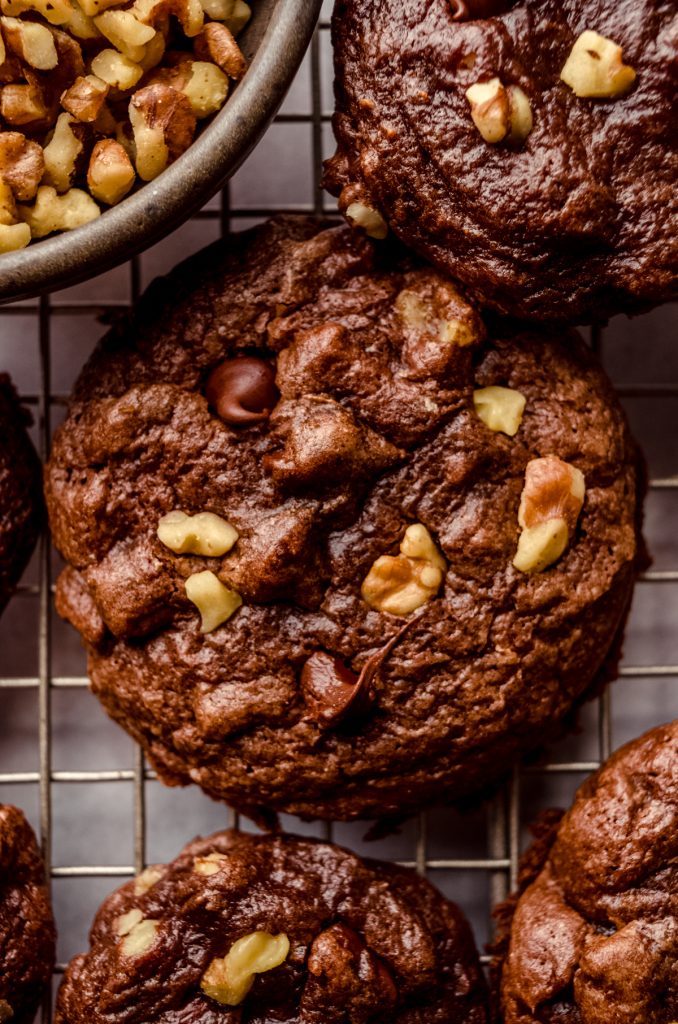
(27, 935)
(351, 940)
(547, 185)
(594, 936)
(363, 644)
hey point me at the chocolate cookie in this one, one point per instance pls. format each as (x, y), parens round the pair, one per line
(594, 938)
(528, 148)
(27, 935)
(336, 546)
(20, 491)
(254, 929)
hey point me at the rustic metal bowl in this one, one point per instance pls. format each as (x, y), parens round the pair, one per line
(274, 42)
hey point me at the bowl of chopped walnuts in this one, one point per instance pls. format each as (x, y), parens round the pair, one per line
(119, 120)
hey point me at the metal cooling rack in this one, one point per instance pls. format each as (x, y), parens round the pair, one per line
(490, 856)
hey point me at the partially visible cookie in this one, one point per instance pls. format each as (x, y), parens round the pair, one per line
(527, 147)
(27, 934)
(250, 929)
(20, 491)
(594, 938)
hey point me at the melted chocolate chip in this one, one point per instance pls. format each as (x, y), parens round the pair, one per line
(242, 391)
(333, 693)
(476, 10)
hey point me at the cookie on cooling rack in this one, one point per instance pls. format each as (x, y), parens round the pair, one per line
(336, 546)
(27, 935)
(20, 491)
(594, 937)
(525, 147)
(258, 928)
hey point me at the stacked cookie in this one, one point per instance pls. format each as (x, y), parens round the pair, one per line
(348, 532)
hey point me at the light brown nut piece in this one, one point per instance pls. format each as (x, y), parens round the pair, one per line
(52, 212)
(80, 24)
(229, 980)
(85, 99)
(126, 922)
(154, 51)
(204, 534)
(210, 865)
(14, 236)
(419, 315)
(163, 125)
(22, 104)
(215, 602)
(401, 584)
(116, 70)
(234, 13)
(595, 69)
(8, 210)
(62, 153)
(110, 174)
(6, 1011)
(500, 409)
(92, 8)
(141, 936)
(56, 12)
(206, 89)
(148, 878)
(500, 112)
(370, 220)
(189, 13)
(550, 505)
(216, 43)
(31, 41)
(127, 34)
(21, 164)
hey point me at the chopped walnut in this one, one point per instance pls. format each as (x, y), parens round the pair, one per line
(14, 236)
(229, 980)
(22, 164)
(22, 104)
(401, 584)
(216, 43)
(144, 882)
(52, 212)
(234, 13)
(500, 112)
(140, 937)
(56, 12)
(550, 505)
(202, 534)
(215, 602)
(31, 42)
(163, 125)
(110, 174)
(210, 865)
(370, 220)
(594, 68)
(419, 314)
(62, 153)
(86, 98)
(500, 409)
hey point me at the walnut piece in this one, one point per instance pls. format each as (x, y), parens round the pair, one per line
(22, 104)
(110, 174)
(61, 154)
(217, 44)
(419, 315)
(550, 504)
(22, 164)
(31, 42)
(85, 98)
(209, 865)
(139, 933)
(202, 534)
(215, 602)
(400, 584)
(594, 68)
(128, 35)
(234, 13)
(370, 220)
(206, 89)
(116, 70)
(144, 882)
(500, 112)
(14, 236)
(56, 12)
(163, 125)
(229, 980)
(52, 212)
(500, 409)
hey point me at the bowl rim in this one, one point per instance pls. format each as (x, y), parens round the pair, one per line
(160, 206)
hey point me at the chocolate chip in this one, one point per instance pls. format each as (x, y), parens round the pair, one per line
(475, 10)
(333, 693)
(242, 391)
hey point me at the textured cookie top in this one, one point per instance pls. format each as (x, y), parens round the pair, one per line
(27, 935)
(20, 490)
(595, 937)
(339, 627)
(258, 929)
(527, 148)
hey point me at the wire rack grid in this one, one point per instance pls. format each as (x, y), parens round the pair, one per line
(464, 855)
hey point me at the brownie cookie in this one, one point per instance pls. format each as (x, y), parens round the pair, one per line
(594, 938)
(27, 935)
(255, 929)
(528, 148)
(336, 546)
(20, 491)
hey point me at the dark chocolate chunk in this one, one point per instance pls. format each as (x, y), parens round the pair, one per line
(242, 391)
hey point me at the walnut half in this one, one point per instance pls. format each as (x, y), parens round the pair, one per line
(550, 504)
(401, 584)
